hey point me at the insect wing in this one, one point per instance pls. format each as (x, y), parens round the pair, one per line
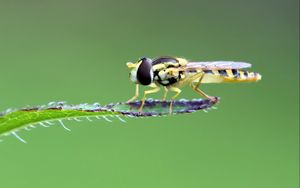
(218, 65)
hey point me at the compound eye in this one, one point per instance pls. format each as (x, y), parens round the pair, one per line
(142, 59)
(144, 72)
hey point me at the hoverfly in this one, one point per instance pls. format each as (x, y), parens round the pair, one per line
(172, 73)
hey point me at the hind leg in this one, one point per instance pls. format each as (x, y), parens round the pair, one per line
(196, 88)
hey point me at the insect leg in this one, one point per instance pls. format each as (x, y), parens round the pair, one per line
(136, 93)
(154, 90)
(196, 88)
(165, 94)
(177, 91)
(199, 81)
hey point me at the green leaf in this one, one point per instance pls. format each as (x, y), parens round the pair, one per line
(13, 120)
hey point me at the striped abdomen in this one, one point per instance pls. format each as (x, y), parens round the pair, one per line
(230, 75)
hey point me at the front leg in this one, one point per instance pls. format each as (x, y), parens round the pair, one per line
(154, 90)
(136, 93)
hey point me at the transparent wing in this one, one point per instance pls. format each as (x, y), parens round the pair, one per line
(218, 65)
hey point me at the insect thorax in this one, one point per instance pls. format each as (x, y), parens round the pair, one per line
(166, 72)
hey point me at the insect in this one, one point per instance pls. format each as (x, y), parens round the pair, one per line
(173, 72)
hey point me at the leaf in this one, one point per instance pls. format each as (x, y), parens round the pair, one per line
(14, 120)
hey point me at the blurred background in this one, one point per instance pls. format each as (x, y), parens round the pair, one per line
(76, 51)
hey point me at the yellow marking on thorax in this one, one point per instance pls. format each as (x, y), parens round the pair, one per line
(159, 66)
(182, 62)
(162, 74)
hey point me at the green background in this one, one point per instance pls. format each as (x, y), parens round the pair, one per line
(76, 51)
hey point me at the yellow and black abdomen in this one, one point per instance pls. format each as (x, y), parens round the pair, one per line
(229, 75)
